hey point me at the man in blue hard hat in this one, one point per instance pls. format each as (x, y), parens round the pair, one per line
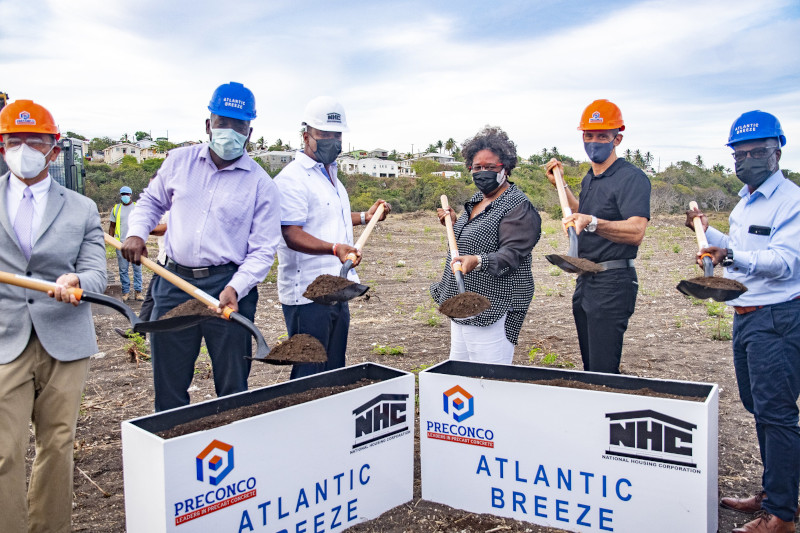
(118, 228)
(224, 227)
(762, 251)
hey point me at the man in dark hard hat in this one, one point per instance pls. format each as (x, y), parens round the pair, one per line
(762, 251)
(224, 226)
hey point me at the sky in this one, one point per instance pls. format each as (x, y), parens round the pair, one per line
(410, 73)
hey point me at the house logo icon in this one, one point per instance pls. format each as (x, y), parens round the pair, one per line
(335, 117)
(217, 459)
(596, 117)
(460, 402)
(651, 436)
(25, 119)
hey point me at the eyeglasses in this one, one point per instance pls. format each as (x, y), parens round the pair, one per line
(34, 142)
(481, 168)
(756, 153)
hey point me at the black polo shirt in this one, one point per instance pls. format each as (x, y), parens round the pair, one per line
(619, 193)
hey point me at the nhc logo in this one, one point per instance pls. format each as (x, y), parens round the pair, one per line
(25, 119)
(381, 417)
(651, 436)
(220, 464)
(335, 117)
(461, 401)
(596, 117)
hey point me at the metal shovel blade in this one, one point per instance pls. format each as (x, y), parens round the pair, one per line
(701, 292)
(262, 350)
(113, 303)
(343, 295)
(176, 323)
(573, 242)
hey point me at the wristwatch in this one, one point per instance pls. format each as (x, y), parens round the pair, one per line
(728, 259)
(592, 226)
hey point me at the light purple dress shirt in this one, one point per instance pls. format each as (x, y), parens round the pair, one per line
(232, 215)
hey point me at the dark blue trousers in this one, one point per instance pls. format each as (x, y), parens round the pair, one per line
(175, 352)
(602, 305)
(766, 356)
(329, 324)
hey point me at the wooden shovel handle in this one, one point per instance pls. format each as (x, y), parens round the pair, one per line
(566, 210)
(702, 242)
(36, 284)
(176, 280)
(362, 240)
(451, 235)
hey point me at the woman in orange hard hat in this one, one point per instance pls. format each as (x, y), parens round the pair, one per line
(610, 217)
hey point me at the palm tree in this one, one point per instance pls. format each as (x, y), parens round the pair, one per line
(450, 145)
(628, 154)
(555, 152)
(699, 161)
(648, 159)
(439, 145)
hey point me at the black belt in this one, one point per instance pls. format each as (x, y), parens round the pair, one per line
(616, 263)
(200, 272)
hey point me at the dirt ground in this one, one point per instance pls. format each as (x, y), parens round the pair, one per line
(397, 325)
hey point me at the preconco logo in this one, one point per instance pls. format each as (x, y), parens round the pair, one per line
(217, 458)
(335, 117)
(596, 117)
(651, 436)
(381, 417)
(460, 402)
(25, 119)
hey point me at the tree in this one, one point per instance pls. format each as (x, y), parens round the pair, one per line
(279, 146)
(124, 138)
(648, 159)
(165, 146)
(439, 145)
(450, 145)
(628, 155)
(98, 144)
(699, 161)
(141, 135)
(394, 156)
(431, 149)
(76, 135)
(260, 143)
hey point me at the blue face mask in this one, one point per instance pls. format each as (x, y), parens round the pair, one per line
(227, 143)
(598, 152)
(126, 199)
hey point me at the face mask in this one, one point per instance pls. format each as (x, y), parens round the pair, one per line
(327, 150)
(598, 152)
(487, 181)
(227, 144)
(25, 162)
(752, 172)
(126, 199)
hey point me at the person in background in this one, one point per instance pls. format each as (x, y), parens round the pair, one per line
(495, 235)
(118, 228)
(762, 251)
(610, 219)
(317, 228)
(51, 233)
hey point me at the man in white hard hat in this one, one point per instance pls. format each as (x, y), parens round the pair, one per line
(317, 227)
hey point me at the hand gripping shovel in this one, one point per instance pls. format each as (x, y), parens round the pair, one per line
(571, 262)
(80, 294)
(350, 290)
(262, 350)
(707, 286)
(464, 304)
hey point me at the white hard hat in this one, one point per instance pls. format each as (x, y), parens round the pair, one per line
(325, 114)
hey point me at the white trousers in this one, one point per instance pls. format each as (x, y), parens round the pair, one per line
(481, 344)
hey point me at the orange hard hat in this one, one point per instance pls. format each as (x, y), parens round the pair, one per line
(601, 115)
(25, 116)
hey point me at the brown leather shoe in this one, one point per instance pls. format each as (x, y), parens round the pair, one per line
(766, 523)
(749, 505)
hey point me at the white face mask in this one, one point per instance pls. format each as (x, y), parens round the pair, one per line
(227, 143)
(25, 162)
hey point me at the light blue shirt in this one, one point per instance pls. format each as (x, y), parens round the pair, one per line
(768, 265)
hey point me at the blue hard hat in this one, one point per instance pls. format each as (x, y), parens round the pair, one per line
(233, 100)
(125, 190)
(756, 125)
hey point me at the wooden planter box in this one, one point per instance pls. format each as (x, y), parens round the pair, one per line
(323, 465)
(574, 459)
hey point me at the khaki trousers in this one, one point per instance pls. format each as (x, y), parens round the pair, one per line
(35, 387)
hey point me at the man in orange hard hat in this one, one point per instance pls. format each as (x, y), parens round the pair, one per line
(51, 233)
(610, 217)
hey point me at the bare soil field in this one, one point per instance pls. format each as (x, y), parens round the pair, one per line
(397, 324)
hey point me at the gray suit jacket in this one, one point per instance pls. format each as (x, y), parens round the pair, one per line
(70, 240)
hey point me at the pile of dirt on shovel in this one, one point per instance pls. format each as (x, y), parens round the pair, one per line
(582, 264)
(325, 285)
(188, 308)
(718, 283)
(300, 348)
(465, 305)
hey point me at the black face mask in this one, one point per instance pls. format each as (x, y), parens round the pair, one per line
(487, 181)
(598, 152)
(327, 150)
(754, 172)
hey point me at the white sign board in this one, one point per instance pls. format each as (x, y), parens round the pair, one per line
(320, 466)
(574, 459)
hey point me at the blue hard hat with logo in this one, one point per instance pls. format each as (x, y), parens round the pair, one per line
(125, 190)
(233, 100)
(756, 125)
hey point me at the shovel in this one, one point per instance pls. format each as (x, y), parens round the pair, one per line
(571, 262)
(454, 306)
(719, 289)
(80, 294)
(353, 290)
(262, 350)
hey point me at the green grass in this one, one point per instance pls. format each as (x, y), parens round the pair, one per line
(429, 315)
(387, 349)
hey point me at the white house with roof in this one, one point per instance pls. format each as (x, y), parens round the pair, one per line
(379, 153)
(276, 159)
(114, 153)
(406, 169)
(442, 159)
(371, 166)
